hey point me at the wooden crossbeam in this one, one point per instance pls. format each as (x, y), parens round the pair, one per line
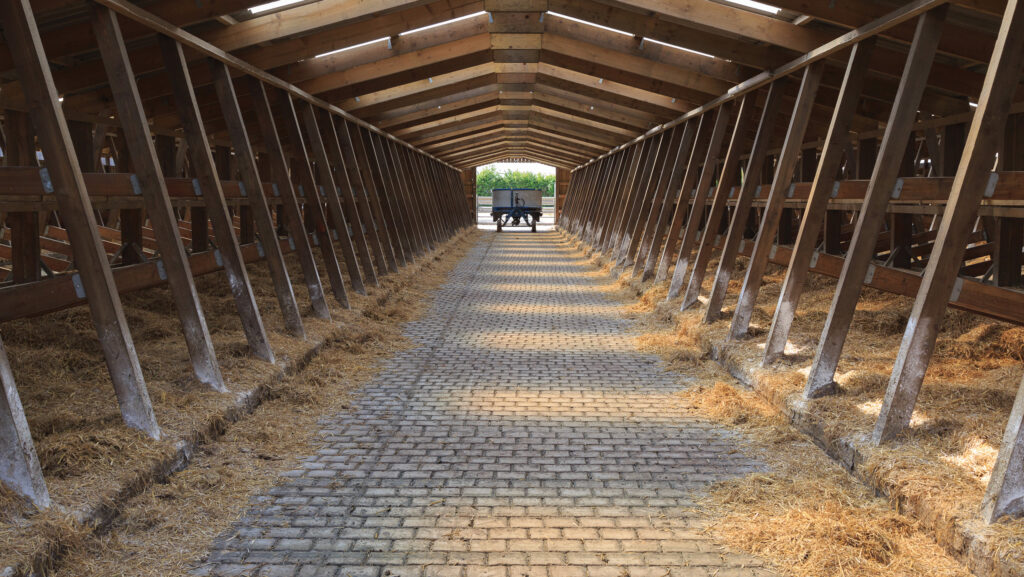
(108, 317)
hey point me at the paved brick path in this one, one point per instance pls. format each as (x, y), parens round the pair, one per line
(526, 436)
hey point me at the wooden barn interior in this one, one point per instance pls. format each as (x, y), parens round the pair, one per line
(291, 156)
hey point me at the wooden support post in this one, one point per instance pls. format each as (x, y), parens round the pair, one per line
(973, 179)
(711, 147)
(386, 224)
(680, 145)
(349, 231)
(363, 196)
(353, 199)
(217, 209)
(258, 199)
(784, 171)
(19, 464)
(156, 199)
(873, 210)
(755, 164)
(723, 190)
(26, 265)
(313, 204)
(380, 169)
(330, 192)
(644, 198)
(1005, 492)
(26, 261)
(286, 191)
(630, 190)
(1008, 256)
(23, 39)
(131, 235)
(821, 192)
(678, 184)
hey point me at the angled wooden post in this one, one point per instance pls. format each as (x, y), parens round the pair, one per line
(311, 192)
(26, 261)
(388, 226)
(1005, 492)
(250, 179)
(723, 190)
(638, 215)
(603, 196)
(360, 195)
(325, 160)
(708, 151)
(693, 142)
(286, 191)
(157, 200)
(784, 171)
(351, 237)
(876, 200)
(610, 178)
(391, 195)
(974, 179)
(608, 174)
(626, 193)
(213, 195)
(832, 154)
(755, 163)
(22, 36)
(19, 464)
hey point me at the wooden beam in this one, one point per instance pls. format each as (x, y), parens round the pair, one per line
(832, 154)
(19, 464)
(139, 143)
(727, 261)
(974, 178)
(285, 191)
(871, 217)
(217, 210)
(76, 212)
(261, 212)
(785, 168)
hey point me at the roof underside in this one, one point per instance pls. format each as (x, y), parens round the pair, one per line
(477, 81)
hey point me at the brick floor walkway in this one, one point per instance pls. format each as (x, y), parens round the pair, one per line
(525, 436)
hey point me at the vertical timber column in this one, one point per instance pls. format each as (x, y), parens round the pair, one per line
(626, 196)
(562, 177)
(292, 214)
(250, 179)
(784, 171)
(974, 179)
(876, 200)
(156, 198)
(355, 200)
(645, 197)
(330, 189)
(26, 264)
(217, 209)
(26, 47)
(746, 196)
(657, 261)
(19, 464)
(679, 145)
(817, 203)
(692, 139)
(313, 205)
(375, 193)
(713, 147)
(390, 195)
(723, 191)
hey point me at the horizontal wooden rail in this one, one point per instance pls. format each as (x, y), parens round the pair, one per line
(64, 291)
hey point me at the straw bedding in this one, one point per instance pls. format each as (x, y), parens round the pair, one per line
(807, 525)
(86, 452)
